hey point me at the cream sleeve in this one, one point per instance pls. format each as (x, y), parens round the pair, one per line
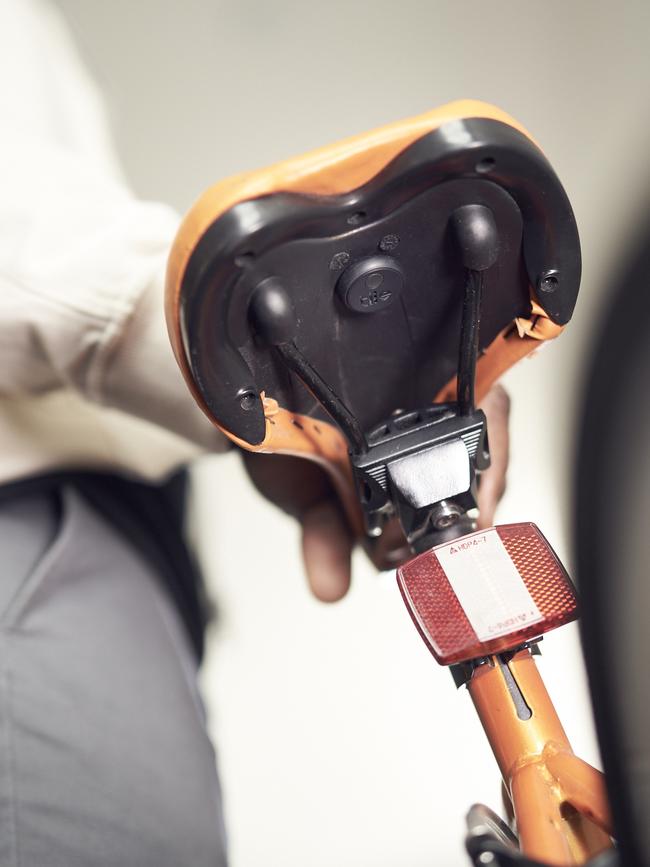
(82, 260)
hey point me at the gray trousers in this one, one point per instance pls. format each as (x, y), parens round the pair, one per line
(104, 756)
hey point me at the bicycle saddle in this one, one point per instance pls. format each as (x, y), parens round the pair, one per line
(350, 305)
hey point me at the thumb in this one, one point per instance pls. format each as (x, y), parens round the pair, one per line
(496, 406)
(327, 550)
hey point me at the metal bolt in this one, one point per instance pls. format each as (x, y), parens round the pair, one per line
(548, 281)
(388, 242)
(247, 401)
(445, 515)
(339, 261)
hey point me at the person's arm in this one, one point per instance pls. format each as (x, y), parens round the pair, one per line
(82, 260)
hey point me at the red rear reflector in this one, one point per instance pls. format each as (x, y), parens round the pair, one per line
(487, 592)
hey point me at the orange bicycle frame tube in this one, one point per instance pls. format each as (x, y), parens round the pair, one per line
(559, 801)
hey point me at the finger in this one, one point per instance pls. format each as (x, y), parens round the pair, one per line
(293, 484)
(496, 406)
(391, 548)
(327, 551)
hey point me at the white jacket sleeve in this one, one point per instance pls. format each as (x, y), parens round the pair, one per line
(82, 261)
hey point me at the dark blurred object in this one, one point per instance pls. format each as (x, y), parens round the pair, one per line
(613, 550)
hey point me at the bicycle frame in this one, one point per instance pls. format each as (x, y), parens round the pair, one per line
(559, 801)
(480, 602)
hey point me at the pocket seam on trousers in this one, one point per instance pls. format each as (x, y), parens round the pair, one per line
(30, 585)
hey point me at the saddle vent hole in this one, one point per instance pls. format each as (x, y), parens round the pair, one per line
(356, 219)
(485, 165)
(244, 259)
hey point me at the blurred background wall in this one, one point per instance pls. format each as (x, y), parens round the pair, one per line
(340, 741)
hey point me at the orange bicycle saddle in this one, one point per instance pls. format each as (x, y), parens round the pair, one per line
(309, 302)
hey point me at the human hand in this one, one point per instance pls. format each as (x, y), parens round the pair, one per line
(302, 489)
